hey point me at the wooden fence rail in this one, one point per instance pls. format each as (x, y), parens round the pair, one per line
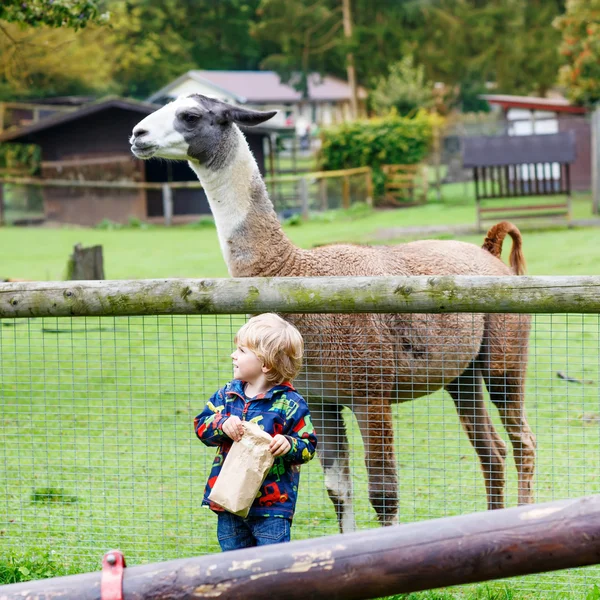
(418, 294)
(301, 181)
(368, 564)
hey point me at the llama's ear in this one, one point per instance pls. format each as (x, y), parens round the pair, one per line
(243, 116)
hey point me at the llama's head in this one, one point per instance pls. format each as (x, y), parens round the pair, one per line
(194, 128)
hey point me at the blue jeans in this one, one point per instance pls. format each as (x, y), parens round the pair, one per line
(234, 532)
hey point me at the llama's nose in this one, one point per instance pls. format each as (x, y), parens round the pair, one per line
(139, 132)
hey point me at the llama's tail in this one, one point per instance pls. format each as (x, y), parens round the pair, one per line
(493, 244)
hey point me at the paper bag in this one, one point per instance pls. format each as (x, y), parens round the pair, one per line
(243, 471)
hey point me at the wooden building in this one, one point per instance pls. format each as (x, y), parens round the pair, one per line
(527, 115)
(91, 143)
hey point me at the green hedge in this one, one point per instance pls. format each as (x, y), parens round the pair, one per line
(24, 157)
(375, 142)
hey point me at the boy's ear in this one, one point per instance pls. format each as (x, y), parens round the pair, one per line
(265, 369)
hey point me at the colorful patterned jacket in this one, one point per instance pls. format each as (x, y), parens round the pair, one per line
(280, 410)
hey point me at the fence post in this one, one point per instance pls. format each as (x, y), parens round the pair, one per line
(167, 196)
(369, 187)
(303, 189)
(86, 263)
(346, 192)
(596, 161)
(1, 202)
(323, 193)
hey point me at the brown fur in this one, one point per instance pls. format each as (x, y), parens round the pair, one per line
(493, 244)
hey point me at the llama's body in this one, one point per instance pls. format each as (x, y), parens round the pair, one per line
(365, 362)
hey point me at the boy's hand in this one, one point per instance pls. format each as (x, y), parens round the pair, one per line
(233, 428)
(280, 445)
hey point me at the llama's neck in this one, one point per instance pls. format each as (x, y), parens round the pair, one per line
(252, 241)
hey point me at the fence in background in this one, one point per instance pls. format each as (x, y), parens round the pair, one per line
(100, 382)
(22, 198)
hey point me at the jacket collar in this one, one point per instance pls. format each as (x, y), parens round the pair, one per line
(236, 387)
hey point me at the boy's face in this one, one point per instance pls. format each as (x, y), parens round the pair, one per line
(246, 365)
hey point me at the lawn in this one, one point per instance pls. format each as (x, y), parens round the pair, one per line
(96, 413)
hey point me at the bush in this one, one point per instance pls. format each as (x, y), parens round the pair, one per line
(16, 567)
(371, 143)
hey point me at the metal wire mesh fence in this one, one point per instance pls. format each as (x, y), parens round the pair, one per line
(98, 449)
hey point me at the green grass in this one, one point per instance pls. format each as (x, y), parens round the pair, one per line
(96, 414)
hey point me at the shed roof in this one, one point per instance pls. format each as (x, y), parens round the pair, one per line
(494, 151)
(263, 86)
(533, 103)
(143, 108)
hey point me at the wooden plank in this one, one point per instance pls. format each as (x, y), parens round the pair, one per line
(104, 160)
(422, 294)
(529, 215)
(399, 186)
(530, 207)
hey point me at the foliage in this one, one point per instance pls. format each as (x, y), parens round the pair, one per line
(508, 42)
(47, 61)
(16, 567)
(52, 13)
(303, 33)
(156, 41)
(405, 89)
(25, 157)
(132, 223)
(148, 43)
(387, 140)
(580, 28)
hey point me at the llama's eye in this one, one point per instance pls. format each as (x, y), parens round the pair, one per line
(190, 118)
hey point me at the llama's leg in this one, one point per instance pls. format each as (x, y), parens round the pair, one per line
(504, 366)
(467, 393)
(375, 421)
(508, 394)
(332, 451)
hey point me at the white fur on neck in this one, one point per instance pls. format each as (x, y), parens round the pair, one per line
(228, 192)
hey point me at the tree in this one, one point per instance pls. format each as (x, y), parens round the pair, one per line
(45, 61)
(405, 89)
(303, 34)
(52, 13)
(508, 42)
(155, 41)
(580, 28)
(145, 46)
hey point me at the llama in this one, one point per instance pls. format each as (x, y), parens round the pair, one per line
(364, 362)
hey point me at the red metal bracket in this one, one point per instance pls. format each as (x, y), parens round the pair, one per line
(111, 583)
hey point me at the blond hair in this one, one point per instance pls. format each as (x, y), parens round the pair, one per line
(277, 343)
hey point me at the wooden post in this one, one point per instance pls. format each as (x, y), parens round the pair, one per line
(366, 564)
(323, 193)
(346, 192)
(369, 187)
(303, 190)
(437, 158)
(350, 69)
(596, 161)
(2, 204)
(86, 263)
(167, 197)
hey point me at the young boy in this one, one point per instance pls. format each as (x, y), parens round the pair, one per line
(267, 358)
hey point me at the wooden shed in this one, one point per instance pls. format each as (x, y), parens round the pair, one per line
(528, 115)
(92, 144)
